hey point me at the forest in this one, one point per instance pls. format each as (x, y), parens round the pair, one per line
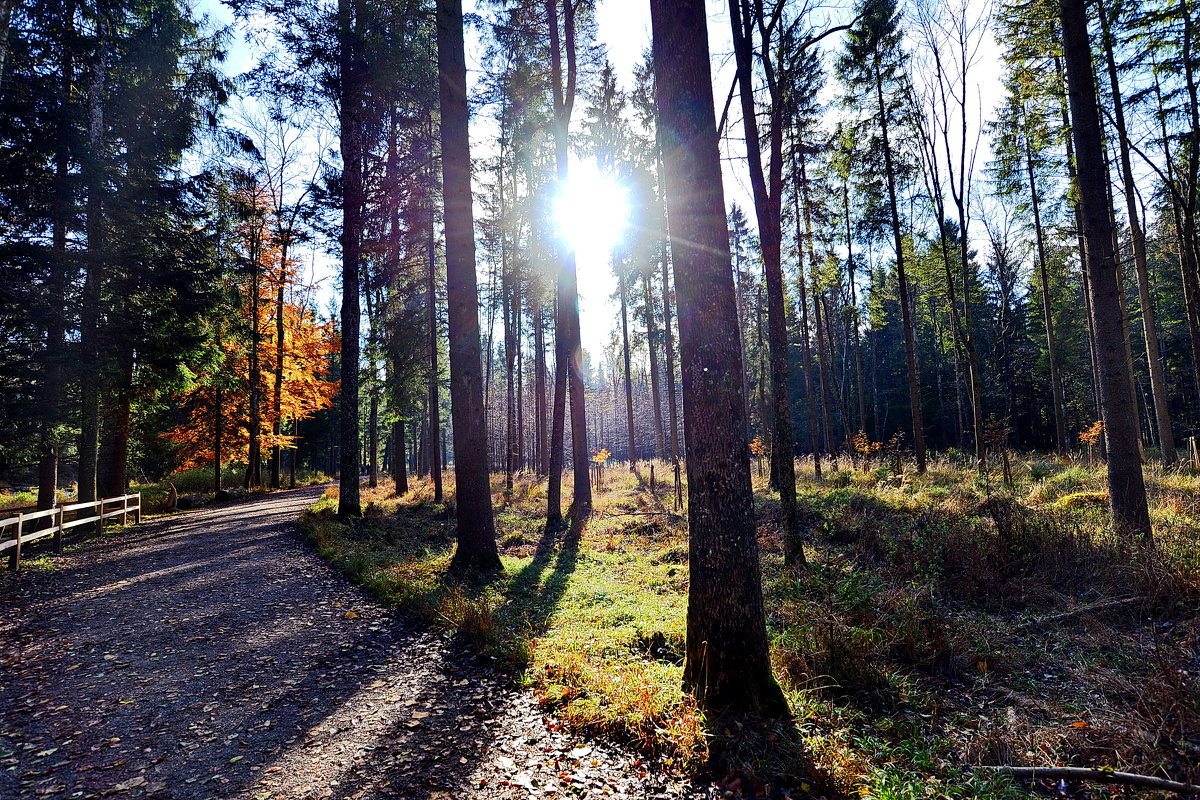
(807, 396)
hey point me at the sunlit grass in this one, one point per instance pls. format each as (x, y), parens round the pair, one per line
(910, 615)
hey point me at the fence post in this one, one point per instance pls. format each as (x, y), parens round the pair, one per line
(98, 507)
(137, 516)
(124, 509)
(58, 534)
(14, 560)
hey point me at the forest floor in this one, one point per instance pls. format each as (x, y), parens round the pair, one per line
(211, 654)
(944, 622)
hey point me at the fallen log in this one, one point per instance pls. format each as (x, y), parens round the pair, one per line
(1098, 776)
(1075, 612)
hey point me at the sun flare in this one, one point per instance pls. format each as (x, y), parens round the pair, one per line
(592, 211)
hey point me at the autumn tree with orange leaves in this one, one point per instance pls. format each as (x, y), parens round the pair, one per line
(230, 414)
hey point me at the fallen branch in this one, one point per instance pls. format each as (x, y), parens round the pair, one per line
(1097, 775)
(1037, 623)
(637, 514)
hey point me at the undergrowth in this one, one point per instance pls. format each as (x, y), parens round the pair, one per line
(922, 640)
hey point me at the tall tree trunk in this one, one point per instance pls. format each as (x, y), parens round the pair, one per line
(1056, 386)
(473, 494)
(51, 390)
(1080, 242)
(539, 379)
(218, 431)
(253, 475)
(629, 434)
(353, 86)
(810, 395)
(520, 389)
(1158, 385)
(824, 344)
(277, 389)
(1191, 292)
(6, 7)
(294, 453)
(728, 665)
(373, 436)
(435, 410)
(672, 405)
(910, 334)
(97, 245)
(767, 191)
(539, 370)
(571, 350)
(400, 457)
(114, 451)
(669, 340)
(855, 321)
(655, 395)
(1127, 489)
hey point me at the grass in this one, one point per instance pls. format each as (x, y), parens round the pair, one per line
(912, 648)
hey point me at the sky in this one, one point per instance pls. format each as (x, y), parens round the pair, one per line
(624, 31)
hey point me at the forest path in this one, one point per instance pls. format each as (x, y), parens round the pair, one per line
(213, 655)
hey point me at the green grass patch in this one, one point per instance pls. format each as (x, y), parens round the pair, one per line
(911, 649)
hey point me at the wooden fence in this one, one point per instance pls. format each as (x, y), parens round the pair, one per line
(100, 510)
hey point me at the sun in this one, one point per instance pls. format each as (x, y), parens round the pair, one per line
(592, 210)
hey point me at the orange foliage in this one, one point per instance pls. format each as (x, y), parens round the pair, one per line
(1092, 435)
(223, 391)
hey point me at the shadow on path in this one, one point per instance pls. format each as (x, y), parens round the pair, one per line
(212, 654)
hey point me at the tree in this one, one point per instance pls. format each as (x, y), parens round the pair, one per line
(728, 665)
(872, 62)
(767, 185)
(1127, 490)
(352, 90)
(568, 352)
(473, 499)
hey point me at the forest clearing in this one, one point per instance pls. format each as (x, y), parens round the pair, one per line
(797, 398)
(944, 622)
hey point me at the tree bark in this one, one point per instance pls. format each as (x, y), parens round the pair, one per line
(855, 320)
(629, 433)
(910, 334)
(767, 191)
(97, 235)
(51, 394)
(539, 379)
(1056, 386)
(1127, 490)
(1158, 385)
(810, 395)
(353, 196)
(277, 389)
(669, 340)
(400, 457)
(219, 426)
(655, 395)
(435, 411)
(473, 495)
(728, 665)
(570, 352)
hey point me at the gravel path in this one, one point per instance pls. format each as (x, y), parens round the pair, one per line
(212, 655)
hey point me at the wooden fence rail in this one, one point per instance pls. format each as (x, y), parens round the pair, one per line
(101, 510)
